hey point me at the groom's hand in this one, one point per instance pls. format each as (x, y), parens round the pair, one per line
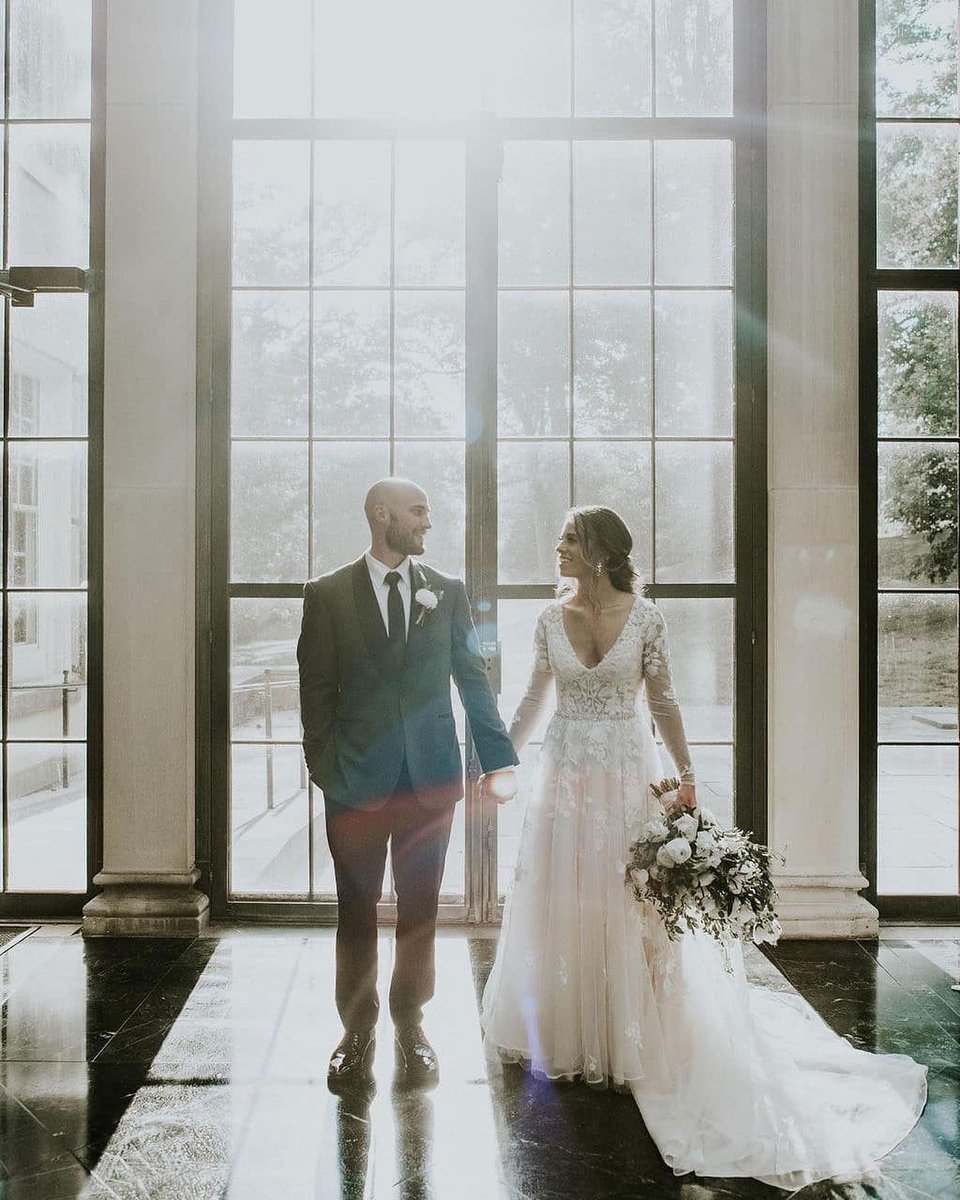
(501, 785)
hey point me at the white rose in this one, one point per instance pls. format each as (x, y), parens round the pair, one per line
(654, 831)
(426, 599)
(664, 858)
(706, 841)
(706, 816)
(687, 826)
(678, 850)
(639, 876)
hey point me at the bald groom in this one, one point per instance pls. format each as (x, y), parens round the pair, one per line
(380, 641)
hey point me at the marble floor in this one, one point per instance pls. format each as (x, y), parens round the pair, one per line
(177, 1069)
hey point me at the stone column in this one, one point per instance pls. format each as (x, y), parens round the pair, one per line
(813, 480)
(148, 871)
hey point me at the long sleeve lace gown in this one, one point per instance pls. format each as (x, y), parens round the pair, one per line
(730, 1079)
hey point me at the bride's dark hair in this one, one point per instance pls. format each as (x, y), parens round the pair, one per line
(605, 540)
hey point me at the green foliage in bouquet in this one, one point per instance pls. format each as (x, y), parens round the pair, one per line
(699, 876)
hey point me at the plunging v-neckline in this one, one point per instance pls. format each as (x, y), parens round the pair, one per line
(613, 644)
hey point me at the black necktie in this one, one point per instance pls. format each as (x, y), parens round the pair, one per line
(395, 610)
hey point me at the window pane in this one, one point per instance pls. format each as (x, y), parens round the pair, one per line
(268, 512)
(48, 368)
(917, 58)
(351, 363)
(917, 820)
(271, 201)
(700, 638)
(517, 619)
(530, 58)
(271, 64)
(264, 696)
(351, 213)
(617, 475)
(342, 474)
(694, 66)
(534, 364)
(47, 635)
(534, 493)
(47, 799)
(694, 213)
(377, 58)
(269, 853)
(917, 514)
(715, 781)
(50, 58)
(917, 196)
(429, 363)
(534, 214)
(694, 369)
(917, 645)
(47, 543)
(613, 58)
(454, 879)
(611, 382)
(694, 512)
(439, 469)
(430, 213)
(917, 375)
(611, 213)
(268, 374)
(49, 195)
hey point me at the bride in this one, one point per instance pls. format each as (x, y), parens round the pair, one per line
(730, 1079)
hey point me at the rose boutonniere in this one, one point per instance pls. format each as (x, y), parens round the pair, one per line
(428, 601)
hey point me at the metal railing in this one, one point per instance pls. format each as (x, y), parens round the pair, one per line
(66, 690)
(271, 681)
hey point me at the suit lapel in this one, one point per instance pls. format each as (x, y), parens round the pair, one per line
(368, 611)
(418, 580)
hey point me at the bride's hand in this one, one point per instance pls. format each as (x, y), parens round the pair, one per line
(686, 798)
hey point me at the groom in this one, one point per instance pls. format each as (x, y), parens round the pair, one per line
(380, 640)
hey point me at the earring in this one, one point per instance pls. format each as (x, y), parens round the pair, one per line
(598, 570)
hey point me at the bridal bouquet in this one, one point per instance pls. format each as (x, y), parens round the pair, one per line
(699, 876)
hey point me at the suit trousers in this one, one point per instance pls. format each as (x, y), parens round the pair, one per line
(358, 840)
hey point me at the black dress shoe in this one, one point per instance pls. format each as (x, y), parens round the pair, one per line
(417, 1064)
(351, 1064)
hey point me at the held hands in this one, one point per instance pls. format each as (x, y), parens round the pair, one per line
(500, 785)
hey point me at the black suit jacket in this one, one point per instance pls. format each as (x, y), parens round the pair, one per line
(367, 706)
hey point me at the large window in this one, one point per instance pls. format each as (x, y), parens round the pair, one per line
(510, 251)
(910, 440)
(48, 826)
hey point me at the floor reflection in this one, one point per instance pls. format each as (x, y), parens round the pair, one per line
(167, 1069)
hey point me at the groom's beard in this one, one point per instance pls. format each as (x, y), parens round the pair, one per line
(401, 542)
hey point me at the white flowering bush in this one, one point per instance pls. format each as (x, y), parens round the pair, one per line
(699, 876)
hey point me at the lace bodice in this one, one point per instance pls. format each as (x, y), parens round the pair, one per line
(608, 692)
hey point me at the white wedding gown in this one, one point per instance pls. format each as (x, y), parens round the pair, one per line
(731, 1079)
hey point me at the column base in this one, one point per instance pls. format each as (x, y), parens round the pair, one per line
(146, 904)
(825, 906)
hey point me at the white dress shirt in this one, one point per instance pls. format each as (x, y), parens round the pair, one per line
(381, 589)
